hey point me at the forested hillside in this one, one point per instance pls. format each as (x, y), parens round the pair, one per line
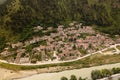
(17, 15)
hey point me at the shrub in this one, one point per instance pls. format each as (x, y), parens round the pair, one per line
(97, 74)
(73, 77)
(2, 43)
(64, 78)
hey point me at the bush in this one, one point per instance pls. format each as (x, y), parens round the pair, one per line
(2, 43)
(97, 74)
(73, 77)
(81, 78)
(116, 70)
(64, 78)
(106, 73)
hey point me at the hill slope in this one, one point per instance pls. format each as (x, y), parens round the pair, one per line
(2, 1)
(17, 15)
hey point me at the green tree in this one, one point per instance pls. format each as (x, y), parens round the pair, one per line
(96, 74)
(74, 47)
(116, 70)
(106, 73)
(73, 77)
(81, 78)
(2, 43)
(64, 78)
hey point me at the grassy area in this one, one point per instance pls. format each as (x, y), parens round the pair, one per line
(82, 51)
(94, 60)
(108, 50)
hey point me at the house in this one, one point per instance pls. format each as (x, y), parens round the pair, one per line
(19, 44)
(38, 28)
(24, 60)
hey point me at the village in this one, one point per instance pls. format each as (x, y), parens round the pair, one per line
(64, 43)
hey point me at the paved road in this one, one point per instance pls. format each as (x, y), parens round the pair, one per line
(53, 62)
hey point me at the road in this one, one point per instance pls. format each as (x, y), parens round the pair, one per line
(55, 62)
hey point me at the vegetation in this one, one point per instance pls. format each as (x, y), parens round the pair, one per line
(82, 51)
(73, 77)
(110, 49)
(37, 44)
(98, 74)
(94, 60)
(2, 43)
(64, 78)
(84, 35)
(18, 16)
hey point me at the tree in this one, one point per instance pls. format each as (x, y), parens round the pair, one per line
(116, 70)
(2, 43)
(106, 73)
(96, 74)
(74, 47)
(64, 78)
(73, 77)
(81, 78)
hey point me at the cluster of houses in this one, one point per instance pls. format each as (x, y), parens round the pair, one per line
(65, 44)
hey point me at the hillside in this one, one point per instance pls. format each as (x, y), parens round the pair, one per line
(2, 1)
(17, 15)
(59, 30)
(58, 44)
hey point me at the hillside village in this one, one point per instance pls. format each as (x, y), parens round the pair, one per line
(61, 43)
